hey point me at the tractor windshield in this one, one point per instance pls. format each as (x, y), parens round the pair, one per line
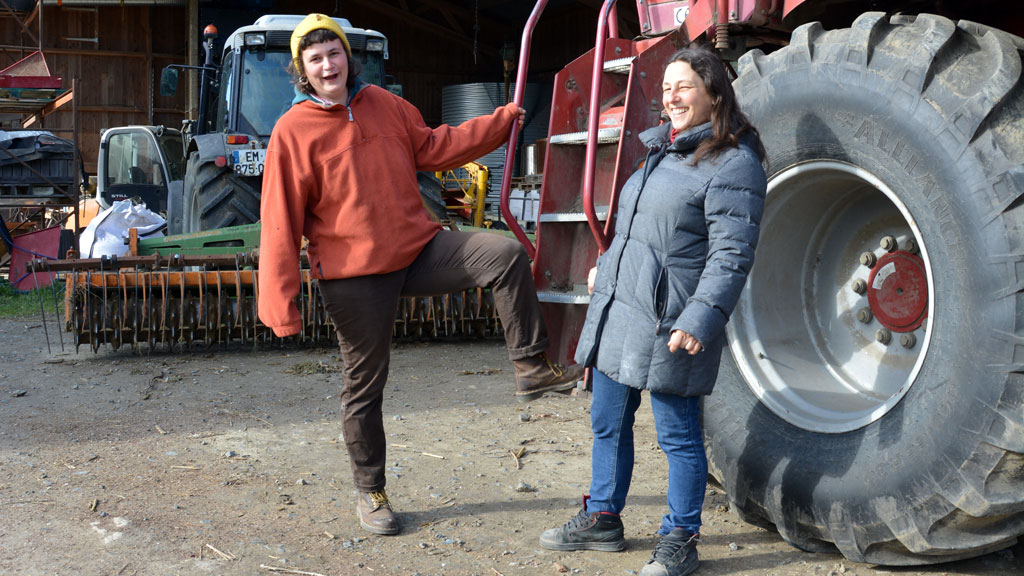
(266, 90)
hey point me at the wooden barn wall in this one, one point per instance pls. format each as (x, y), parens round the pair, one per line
(119, 72)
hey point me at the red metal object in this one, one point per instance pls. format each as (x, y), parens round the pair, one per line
(510, 149)
(30, 82)
(28, 247)
(592, 129)
(898, 291)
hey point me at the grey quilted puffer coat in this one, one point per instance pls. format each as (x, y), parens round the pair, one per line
(684, 243)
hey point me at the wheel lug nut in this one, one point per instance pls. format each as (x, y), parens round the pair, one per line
(865, 315)
(859, 286)
(868, 259)
(889, 243)
(910, 246)
(883, 335)
(908, 341)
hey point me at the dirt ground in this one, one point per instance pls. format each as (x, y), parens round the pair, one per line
(229, 462)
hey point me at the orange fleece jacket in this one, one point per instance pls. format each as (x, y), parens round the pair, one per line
(345, 178)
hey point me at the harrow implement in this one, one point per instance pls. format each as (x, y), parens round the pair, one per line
(184, 298)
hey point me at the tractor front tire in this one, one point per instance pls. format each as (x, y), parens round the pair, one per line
(872, 400)
(216, 197)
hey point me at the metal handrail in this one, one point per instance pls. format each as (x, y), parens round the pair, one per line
(589, 171)
(510, 150)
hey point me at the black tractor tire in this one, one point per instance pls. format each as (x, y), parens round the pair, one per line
(893, 454)
(216, 197)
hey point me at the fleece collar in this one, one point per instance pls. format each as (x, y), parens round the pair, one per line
(299, 96)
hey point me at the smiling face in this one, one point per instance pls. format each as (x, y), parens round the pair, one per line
(686, 99)
(326, 68)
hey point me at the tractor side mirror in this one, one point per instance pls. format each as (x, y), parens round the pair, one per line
(169, 82)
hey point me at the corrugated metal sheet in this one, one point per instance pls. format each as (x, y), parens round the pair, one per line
(461, 102)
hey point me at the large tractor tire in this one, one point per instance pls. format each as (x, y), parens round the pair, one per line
(873, 397)
(216, 197)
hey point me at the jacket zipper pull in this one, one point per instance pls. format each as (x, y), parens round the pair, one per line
(350, 119)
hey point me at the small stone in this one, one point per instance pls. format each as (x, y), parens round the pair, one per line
(733, 546)
(18, 393)
(524, 416)
(398, 417)
(230, 454)
(524, 487)
(301, 482)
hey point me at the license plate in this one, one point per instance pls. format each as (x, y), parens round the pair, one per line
(248, 162)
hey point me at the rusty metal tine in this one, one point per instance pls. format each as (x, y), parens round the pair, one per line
(151, 332)
(56, 310)
(220, 299)
(88, 304)
(42, 312)
(163, 306)
(240, 320)
(118, 318)
(103, 310)
(181, 309)
(255, 310)
(201, 321)
(135, 312)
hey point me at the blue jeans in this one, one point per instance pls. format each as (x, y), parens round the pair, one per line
(677, 421)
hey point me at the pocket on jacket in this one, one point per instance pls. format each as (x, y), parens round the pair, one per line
(660, 299)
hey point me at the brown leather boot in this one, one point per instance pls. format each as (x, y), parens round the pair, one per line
(536, 375)
(375, 513)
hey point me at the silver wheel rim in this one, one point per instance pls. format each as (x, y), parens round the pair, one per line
(795, 334)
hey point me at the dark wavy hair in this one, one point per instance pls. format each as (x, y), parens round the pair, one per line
(728, 122)
(316, 37)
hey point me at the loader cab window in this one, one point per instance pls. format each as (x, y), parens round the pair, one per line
(134, 159)
(172, 147)
(133, 170)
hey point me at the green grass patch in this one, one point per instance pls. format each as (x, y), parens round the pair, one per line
(14, 304)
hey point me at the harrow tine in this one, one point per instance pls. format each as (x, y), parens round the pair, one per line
(116, 315)
(56, 310)
(42, 312)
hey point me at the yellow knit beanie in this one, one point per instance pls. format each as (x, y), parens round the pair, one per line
(316, 22)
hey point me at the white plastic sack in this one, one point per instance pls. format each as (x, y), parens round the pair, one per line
(106, 233)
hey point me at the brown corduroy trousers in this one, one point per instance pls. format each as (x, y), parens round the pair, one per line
(363, 310)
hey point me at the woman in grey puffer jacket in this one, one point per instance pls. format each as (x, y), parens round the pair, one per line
(686, 229)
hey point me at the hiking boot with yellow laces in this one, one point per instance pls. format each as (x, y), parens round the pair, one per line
(537, 375)
(375, 513)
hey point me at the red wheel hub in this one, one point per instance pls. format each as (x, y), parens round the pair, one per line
(898, 291)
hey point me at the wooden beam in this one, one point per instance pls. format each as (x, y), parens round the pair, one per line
(49, 109)
(113, 53)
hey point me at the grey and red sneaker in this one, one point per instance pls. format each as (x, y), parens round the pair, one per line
(601, 531)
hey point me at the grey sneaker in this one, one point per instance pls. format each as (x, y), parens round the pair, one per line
(594, 531)
(674, 555)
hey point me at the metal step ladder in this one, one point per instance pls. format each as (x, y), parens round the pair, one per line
(600, 103)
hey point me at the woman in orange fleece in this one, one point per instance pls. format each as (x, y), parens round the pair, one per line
(341, 171)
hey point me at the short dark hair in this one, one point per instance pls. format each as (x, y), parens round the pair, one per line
(728, 122)
(319, 36)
